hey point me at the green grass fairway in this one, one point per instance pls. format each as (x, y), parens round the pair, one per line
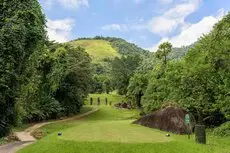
(112, 97)
(51, 128)
(110, 131)
(114, 131)
(97, 49)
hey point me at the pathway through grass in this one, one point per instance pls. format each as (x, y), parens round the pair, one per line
(110, 131)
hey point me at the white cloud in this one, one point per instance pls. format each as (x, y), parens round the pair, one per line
(162, 25)
(66, 3)
(60, 30)
(74, 3)
(174, 17)
(221, 13)
(124, 27)
(115, 27)
(191, 32)
(181, 11)
(155, 47)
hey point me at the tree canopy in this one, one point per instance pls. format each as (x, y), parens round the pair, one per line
(22, 32)
(38, 79)
(198, 82)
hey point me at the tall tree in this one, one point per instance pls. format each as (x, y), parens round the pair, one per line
(122, 70)
(22, 32)
(205, 84)
(163, 51)
(139, 81)
(200, 81)
(58, 85)
(74, 86)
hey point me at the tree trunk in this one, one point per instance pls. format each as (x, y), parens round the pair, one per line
(200, 118)
(138, 100)
(98, 101)
(165, 60)
(200, 134)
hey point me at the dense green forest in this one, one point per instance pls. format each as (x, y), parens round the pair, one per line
(114, 72)
(39, 79)
(198, 82)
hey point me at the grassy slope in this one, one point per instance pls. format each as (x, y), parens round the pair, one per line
(97, 49)
(109, 131)
(50, 128)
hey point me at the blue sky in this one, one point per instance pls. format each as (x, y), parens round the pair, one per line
(146, 23)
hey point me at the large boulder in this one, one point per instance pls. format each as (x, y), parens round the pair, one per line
(170, 119)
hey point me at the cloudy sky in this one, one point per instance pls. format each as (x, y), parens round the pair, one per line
(146, 23)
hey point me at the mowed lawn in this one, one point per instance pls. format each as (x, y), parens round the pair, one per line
(111, 97)
(110, 131)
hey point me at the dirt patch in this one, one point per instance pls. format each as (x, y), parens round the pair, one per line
(38, 134)
(170, 119)
(11, 138)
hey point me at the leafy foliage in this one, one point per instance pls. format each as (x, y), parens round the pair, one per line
(205, 83)
(122, 70)
(74, 88)
(178, 53)
(163, 51)
(223, 130)
(38, 79)
(139, 81)
(162, 86)
(137, 86)
(199, 82)
(63, 76)
(22, 32)
(105, 52)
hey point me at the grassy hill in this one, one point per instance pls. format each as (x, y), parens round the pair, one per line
(102, 51)
(100, 48)
(97, 49)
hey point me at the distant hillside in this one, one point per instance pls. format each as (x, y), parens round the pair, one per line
(103, 50)
(97, 49)
(100, 48)
(151, 61)
(178, 53)
(124, 47)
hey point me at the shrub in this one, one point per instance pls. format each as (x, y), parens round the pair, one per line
(215, 119)
(223, 130)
